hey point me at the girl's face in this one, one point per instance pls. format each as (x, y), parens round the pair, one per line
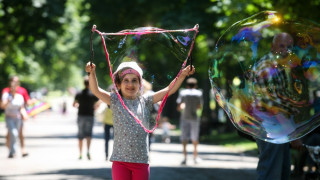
(130, 86)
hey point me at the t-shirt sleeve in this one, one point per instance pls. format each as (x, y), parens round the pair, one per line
(113, 97)
(5, 90)
(149, 101)
(5, 96)
(179, 99)
(25, 94)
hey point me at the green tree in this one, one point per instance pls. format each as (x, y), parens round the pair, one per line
(23, 23)
(39, 41)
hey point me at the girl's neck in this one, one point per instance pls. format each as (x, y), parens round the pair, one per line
(129, 98)
(12, 92)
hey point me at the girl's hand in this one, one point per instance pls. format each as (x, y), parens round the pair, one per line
(24, 114)
(90, 67)
(187, 71)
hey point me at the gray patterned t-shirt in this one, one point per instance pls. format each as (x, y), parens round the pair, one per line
(192, 99)
(130, 140)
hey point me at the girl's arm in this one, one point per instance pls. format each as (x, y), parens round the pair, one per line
(93, 84)
(24, 113)
(5, 102)
(158, 96)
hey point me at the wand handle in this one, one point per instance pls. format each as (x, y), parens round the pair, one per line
(91, 45)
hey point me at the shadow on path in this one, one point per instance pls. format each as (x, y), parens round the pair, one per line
(192, 173)
(156, 173)
(95, 174)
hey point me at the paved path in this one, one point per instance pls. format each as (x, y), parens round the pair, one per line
(52, 144)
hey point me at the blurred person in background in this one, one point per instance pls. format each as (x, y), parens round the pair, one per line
(166, 126)
(189, 102)
(107, 126)
(274, 159)
(105, 116)
(86, 103)
(14, 98)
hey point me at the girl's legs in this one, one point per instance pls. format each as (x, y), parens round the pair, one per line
(140, 171)
(130, 171)
(120, 171)
(8, 139)
(13, 127)
(21, 137)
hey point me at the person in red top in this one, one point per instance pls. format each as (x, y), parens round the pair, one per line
(14, 81)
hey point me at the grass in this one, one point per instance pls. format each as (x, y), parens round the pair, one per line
(231, 140)
(1, 117)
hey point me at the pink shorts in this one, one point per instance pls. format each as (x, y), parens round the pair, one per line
(130, 171)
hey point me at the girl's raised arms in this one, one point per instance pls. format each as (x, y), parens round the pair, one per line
(93, 84)
(158, 96)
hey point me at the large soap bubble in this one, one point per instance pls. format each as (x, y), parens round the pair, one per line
(160, 53)
(265, 74)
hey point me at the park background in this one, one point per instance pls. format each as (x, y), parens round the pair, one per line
(47, 43)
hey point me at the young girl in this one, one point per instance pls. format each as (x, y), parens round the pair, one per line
(13, 105)
(130, 154)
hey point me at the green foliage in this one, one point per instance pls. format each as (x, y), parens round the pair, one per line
(22, 24)
(1, 117)
(39, 42)
(47, 43)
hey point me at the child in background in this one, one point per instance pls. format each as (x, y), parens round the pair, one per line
(130, 154)
(108, 125)
(166, 126)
